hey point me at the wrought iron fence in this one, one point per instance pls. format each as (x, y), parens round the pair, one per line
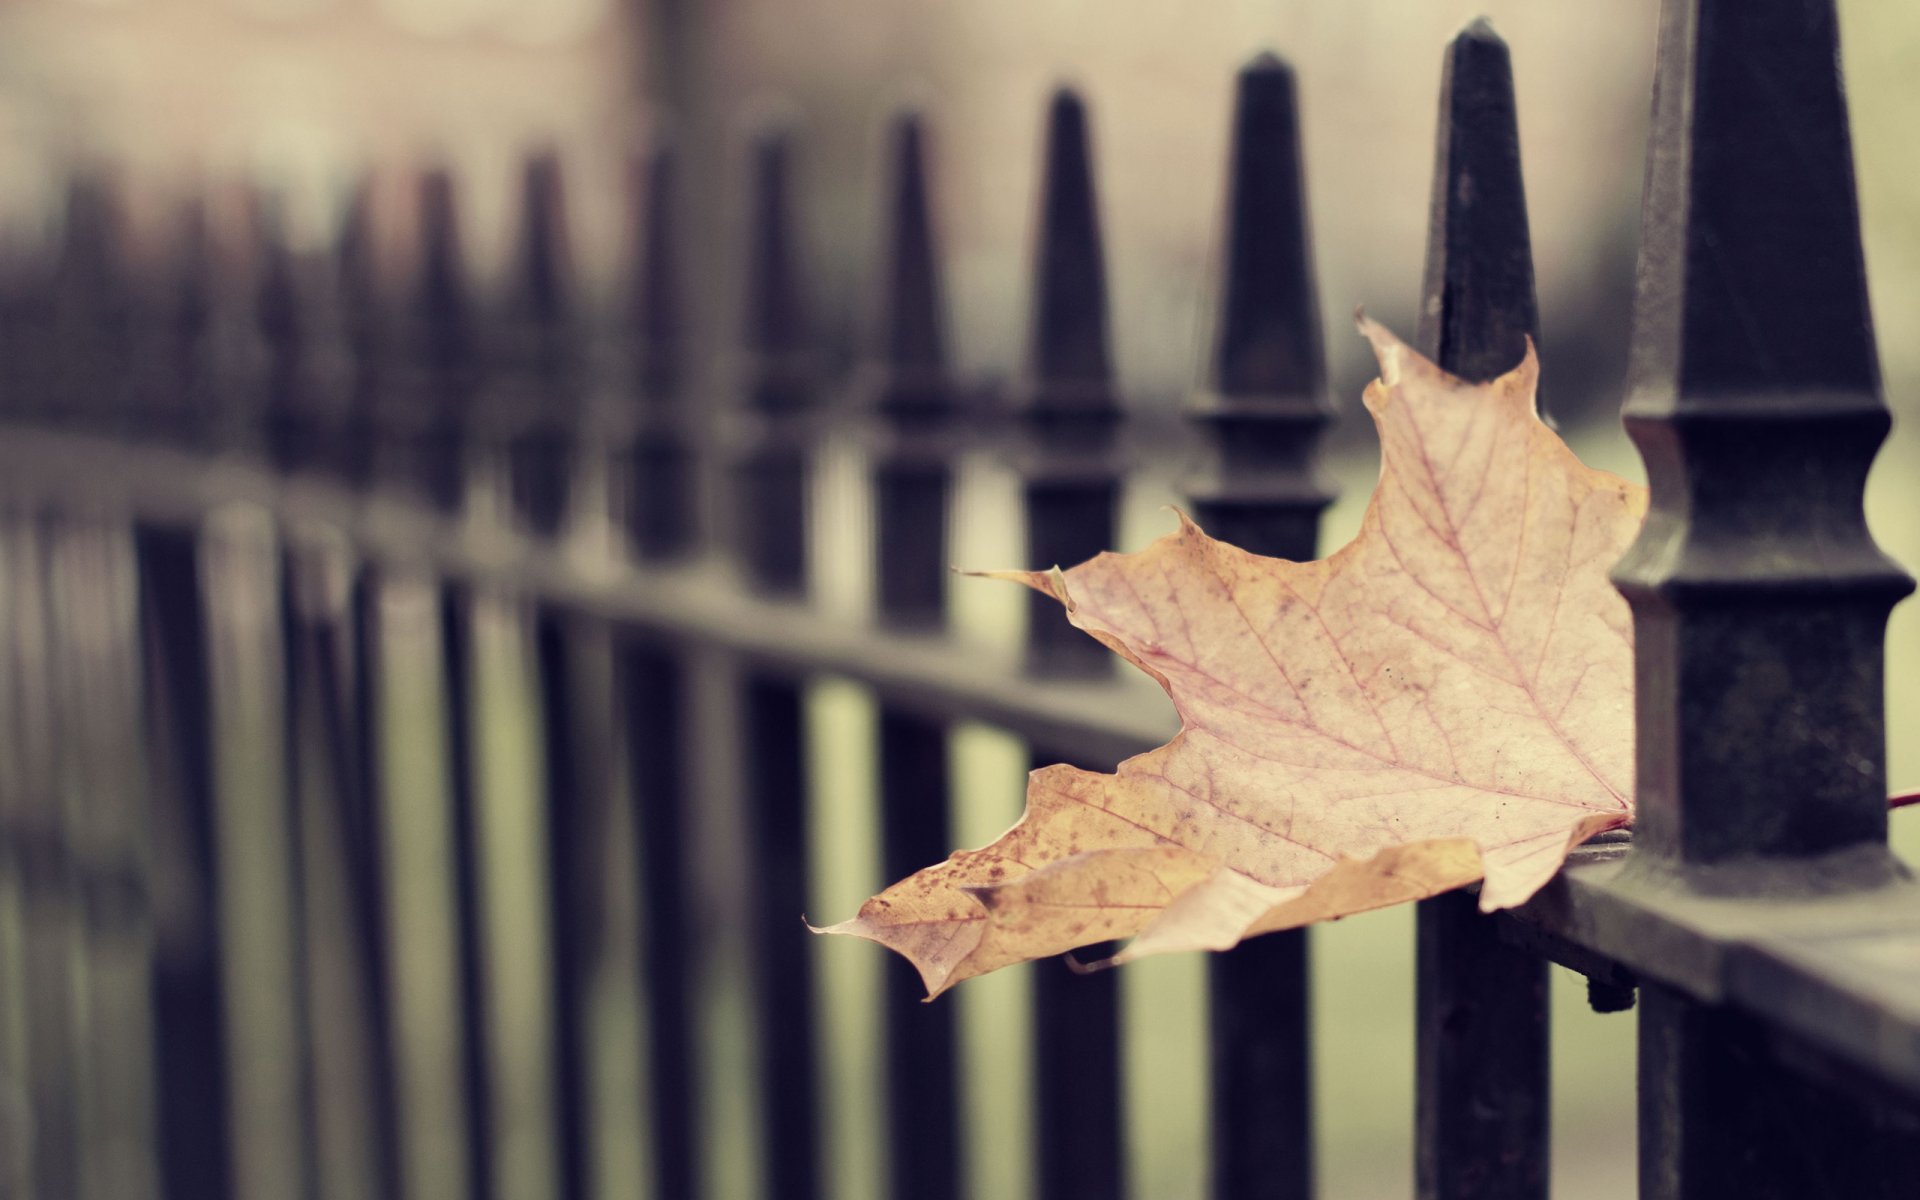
(227, 557)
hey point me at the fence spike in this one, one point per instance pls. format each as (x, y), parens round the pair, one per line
(1071, 491)
(1481, 1059)
(660, 492)
(293, 433)
(93, 308)
(1071, 361)
(1477, 306)
(442, 306)
(771, 474)
(913, 347)
(657, 318)
(1267, 407)
(1262, 419)
(542, 277)
(1753, 366)
(430, 418)
(358, 324)
(1069, 407)
(777, 329)
(539, 404)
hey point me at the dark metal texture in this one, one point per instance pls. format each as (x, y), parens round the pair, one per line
(476, 1078)
(1482, 1098)
(189, 1010)
(362, 339)
(1759, 598)
(426, 417)
(1071, 488)
(660, 483)
(653, 685)
(914, 401)
(773, 731)
(573, 749)
(771, 483)
(284, 405)
(1735, 1122)
(1758, 611)
(1262, 417)
(770, 476)
(535, 397)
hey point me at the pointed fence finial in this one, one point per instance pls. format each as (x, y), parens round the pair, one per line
(769, 516)
(779, 358)
(1759, 596)
(1477, 306)
(428, 415)
(93, 309)
(359, 328)
(535, 407)
(1481, 1085)
(541, 282)
(1266, 409)
(1070, 350)
(661, 483)
(1067, 401)
(292, 428)
(656, 296)
(913, 351)
(913, 398)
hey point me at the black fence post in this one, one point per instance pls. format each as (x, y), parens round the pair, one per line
(1482, 1055)
(360, 340)
(1759, 598)
(191, 1090)
(577, 743)
(768, 527)
(425, 422)
(914, 400)
(652, 683)
(659, 484)
(1262, 418)
(93, 312)
(1071, 488)
(539, 388)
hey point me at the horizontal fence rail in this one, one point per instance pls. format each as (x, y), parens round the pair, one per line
(381, 657)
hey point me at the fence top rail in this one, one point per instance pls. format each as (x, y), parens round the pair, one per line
(1834, 966)
(1839, 970)
(701, 602)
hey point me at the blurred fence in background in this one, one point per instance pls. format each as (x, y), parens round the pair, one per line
(417, 692)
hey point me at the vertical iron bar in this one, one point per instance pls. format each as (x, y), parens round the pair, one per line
(1481, 1020)
(1262, 419)
(1759, 598)
(1071, 489)
(653, 690)
(771, 484)
(914, 401)
(190, 1044)
(457, 660)
(425, 435)
(572, 759)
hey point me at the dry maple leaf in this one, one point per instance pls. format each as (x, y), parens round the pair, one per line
(1447, 698)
